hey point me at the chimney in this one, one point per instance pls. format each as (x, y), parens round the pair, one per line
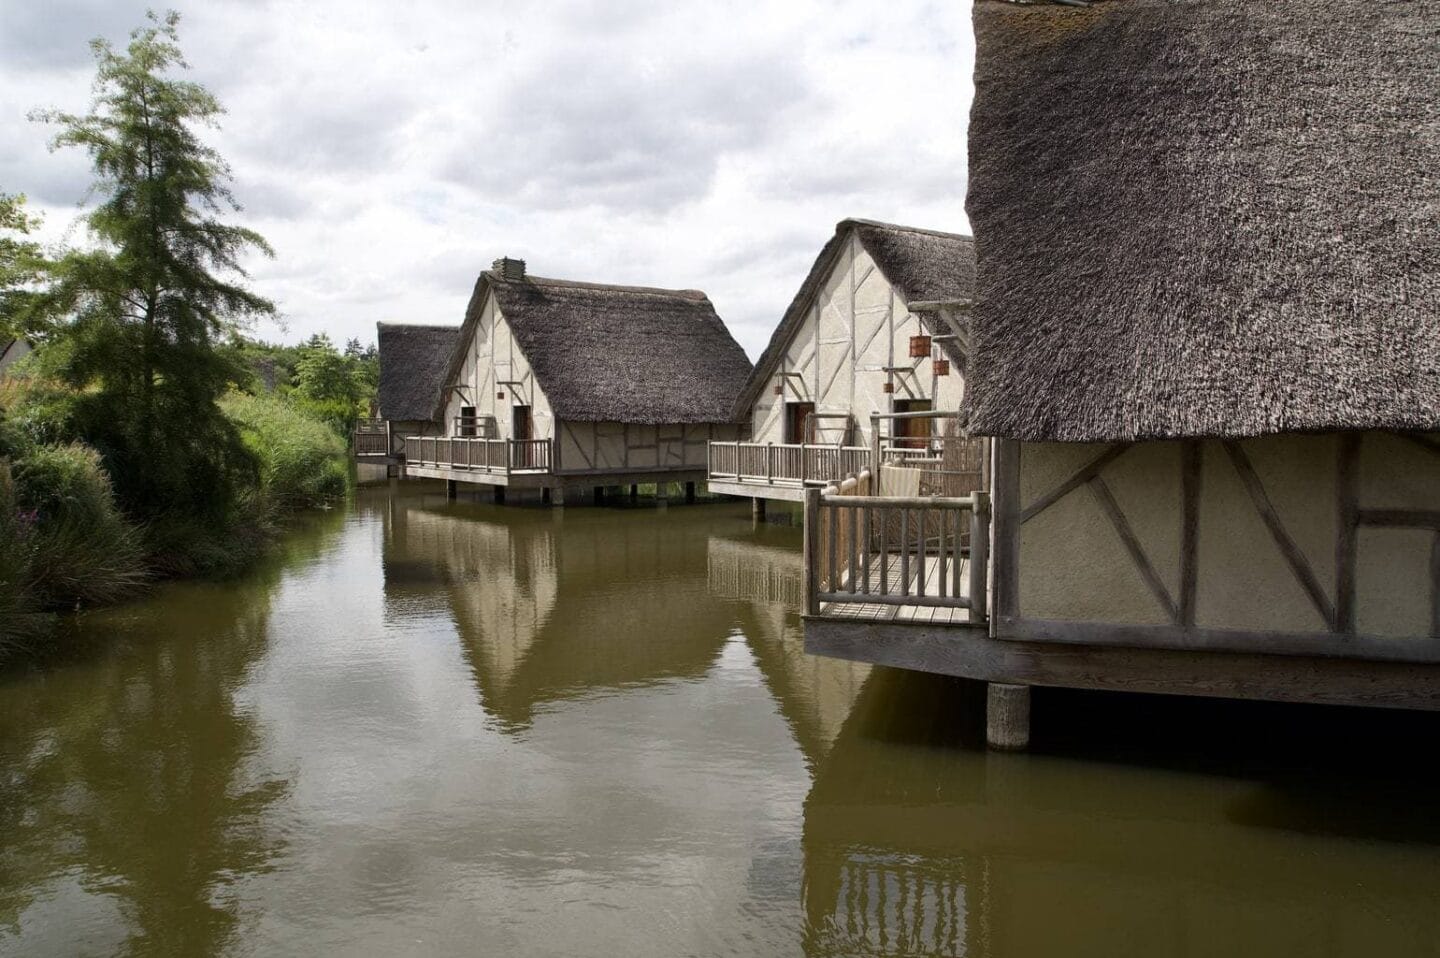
(511, 269)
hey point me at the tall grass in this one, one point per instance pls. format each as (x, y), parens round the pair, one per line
(63, 543)
(303, 461)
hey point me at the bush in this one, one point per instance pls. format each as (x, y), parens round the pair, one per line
(303, 462)
(63, 542)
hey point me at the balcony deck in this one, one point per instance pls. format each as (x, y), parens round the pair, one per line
(780, 471)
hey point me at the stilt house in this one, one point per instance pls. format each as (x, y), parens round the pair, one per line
(878, 326)
(412, 370)
(559, 385)
(1207, 343)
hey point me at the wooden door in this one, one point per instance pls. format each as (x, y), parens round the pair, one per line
(522, 430)
(797, 420)
(912, 433)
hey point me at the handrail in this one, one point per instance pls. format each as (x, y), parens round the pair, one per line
(784, 463)
(896, 551)
(478, 454)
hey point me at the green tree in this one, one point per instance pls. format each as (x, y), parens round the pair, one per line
(148, 303)
(21, 264)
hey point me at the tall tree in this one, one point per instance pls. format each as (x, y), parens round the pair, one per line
(147, 302)
(21, 264)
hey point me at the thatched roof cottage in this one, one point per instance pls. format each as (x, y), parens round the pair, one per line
(843, 351)
(1207, 338)
(556, 384)
(413, 358)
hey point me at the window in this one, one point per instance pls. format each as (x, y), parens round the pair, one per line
(465, 425)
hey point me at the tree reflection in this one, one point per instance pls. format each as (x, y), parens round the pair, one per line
(128, 769)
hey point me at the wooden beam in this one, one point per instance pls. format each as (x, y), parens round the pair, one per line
(969, 653)
(1106, 500)
(1299, 565)
(1191, 461)
(1347, 509)
(1006, 519)
(1379, 648)
(1399, 518)
(1435, 586)
(1086, 473)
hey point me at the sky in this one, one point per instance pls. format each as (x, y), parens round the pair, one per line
(390, 152)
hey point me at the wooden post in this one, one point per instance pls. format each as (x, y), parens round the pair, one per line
(545, 495)
(812, 550)
(979, 556)
(634, 492)
(451, 488)
(599, 495)
(875, 447)
(499, 495)
(757, 509)
(689, 492)
(770, 463)
(1007, 716)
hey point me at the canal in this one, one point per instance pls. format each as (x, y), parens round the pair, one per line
(457, 728)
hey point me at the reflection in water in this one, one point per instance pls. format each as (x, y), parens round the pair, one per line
(129, 800)
(1126, 838)
(765, 571)
(452, 728)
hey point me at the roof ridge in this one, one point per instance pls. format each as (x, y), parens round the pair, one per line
(691, 294)
(417, 325)
(861, 221)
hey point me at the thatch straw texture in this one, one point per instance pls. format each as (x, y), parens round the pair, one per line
(618, 353)
(1205, 218)
(412, 369)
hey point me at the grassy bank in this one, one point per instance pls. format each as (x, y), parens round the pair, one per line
(66, 544)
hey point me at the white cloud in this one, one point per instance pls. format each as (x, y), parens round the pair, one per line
(389, 154)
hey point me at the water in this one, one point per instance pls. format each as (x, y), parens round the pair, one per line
(431, 728)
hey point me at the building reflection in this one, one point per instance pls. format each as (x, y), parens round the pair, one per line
(552, 604)
(916, 841)
(762, 572)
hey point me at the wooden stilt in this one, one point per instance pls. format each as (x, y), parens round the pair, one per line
(500, 495)
(451, 488)
(757, 509)
(689, 492)
(1007, 716)
(634, 493)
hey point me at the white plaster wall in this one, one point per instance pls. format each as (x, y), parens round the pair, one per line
(857, 325)
(1073, 565)
(620, 447)
(493, 357)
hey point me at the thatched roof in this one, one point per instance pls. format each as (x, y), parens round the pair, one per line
(412, 368)
(923, 265)
(617, 353)
(1210, 218)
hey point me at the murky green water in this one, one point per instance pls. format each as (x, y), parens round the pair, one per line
(433, 728)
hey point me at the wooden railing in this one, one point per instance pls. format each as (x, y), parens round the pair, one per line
(793, 464)
(502, 456)
(370, 438)
(883, 550)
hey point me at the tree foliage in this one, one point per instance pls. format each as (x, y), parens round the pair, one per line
(145, 307)
(22, 264)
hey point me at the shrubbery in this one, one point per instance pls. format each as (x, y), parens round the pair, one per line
(65, 542)
(302, 460)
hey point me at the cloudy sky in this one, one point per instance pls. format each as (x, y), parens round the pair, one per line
(391, 151)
